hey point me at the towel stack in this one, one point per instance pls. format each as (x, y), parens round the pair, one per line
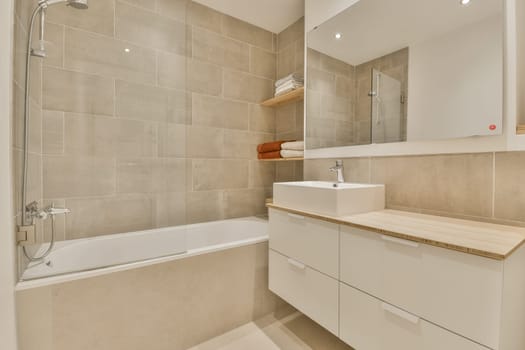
(281, 149)
(289, 83)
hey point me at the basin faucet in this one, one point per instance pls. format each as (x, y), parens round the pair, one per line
(339, 169)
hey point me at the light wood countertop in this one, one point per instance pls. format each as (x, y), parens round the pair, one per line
(484, 239)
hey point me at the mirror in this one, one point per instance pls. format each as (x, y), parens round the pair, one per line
(387, 71)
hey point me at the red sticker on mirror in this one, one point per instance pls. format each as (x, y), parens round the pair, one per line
(492, 127)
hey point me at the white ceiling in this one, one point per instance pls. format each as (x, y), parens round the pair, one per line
(272, 15)
(374, 28)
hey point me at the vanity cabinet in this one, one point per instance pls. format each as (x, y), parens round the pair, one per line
(457, 291)
(319, 247)
(368, 323)
(377, 291)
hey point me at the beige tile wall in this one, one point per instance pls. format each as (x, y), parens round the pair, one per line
(338, 104)
(480, 186)
(330, 102)
(173, 305)
(290, 118)
(164, 134)
(232, 69)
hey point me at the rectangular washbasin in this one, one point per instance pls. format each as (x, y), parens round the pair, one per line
(329, 198)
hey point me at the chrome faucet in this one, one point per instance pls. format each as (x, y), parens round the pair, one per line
(34, 212)
(339, 169)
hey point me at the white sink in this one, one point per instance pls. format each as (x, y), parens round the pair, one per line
(329, 198)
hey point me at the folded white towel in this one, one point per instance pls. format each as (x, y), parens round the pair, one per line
(297, 77)
(288, 85)
(287, 88)
(279, 93)
(291, 154)
(293, 146)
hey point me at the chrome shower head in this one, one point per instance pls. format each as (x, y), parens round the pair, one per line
(78, 4)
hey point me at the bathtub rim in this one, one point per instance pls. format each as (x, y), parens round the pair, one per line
(100, 271)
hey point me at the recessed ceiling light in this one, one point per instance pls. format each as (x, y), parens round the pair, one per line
(338, 36)
(464, 2)
(126, 50)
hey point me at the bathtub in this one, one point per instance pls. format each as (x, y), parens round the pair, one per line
(83, 258)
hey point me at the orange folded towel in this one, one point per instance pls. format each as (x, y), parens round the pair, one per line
(270, 146)
(269, 155)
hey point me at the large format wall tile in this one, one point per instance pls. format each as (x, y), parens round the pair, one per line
(108, 137)
(220, 113)
(237, 29)
(35, 122)
(263, 63)
(99, 18)
(92, 53)
(171, 70)
(145, 102)
(171, 140)
(149, 29)
(76, 176)
(210, 47)
(458, 184)
(55, 49)
(52, 132)
(77, 92)
(120, 214)
(205, 78)
(177, 9)
(243, 144)
(147, 175)
(246, 87)
(509, 198)
(204, 142)
(211, 174)
(203, 206)
(205, 17)
(262, 119)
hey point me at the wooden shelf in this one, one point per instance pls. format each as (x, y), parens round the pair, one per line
(520, 129)
(281, 159)
(292, 96)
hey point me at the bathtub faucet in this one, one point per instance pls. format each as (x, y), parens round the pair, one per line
(33, 212)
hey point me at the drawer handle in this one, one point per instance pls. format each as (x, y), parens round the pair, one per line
(400, 241)
(295, 216)
(400, 313)
(296, 264)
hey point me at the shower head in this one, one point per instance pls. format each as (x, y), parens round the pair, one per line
(77, 4)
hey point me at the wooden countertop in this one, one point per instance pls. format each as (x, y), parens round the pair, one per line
(472, 237)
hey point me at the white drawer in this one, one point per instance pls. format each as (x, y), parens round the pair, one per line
(313, 293)
(313, 242)
(457, 291)
(368, 323)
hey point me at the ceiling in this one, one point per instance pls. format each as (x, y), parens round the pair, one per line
(374, 28)
(272, 15)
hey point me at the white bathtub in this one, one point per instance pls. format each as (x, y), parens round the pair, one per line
(88, 257)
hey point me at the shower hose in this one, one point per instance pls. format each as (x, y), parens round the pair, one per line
(48, 250)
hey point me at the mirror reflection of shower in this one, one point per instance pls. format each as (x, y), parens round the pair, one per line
(31, 212)
(387, 101)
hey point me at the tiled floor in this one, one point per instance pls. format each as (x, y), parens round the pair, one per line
(295, 332)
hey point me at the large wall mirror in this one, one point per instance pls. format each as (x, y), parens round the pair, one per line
(386, 71)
